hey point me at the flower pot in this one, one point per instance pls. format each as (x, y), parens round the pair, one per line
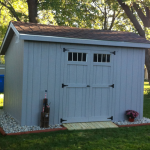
(131, 119)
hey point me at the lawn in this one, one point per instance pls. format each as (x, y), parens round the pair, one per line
(127, 138)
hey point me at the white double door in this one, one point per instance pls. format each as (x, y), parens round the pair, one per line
(86, 86)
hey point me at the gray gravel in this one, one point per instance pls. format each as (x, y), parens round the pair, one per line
(136, 121)
(9, 125)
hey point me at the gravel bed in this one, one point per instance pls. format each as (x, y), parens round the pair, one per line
(9, 125)
(136, 121)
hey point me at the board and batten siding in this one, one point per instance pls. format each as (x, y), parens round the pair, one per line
(41, 72)
(13, 78)
(129, 82)
(43, 69)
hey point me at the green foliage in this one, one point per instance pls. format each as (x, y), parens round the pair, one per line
(147, 92)
(6, 15)
(146, 110)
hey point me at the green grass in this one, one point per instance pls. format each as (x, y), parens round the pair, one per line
(128, 138)
(133, 138)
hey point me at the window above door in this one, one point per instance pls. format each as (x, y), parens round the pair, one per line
(77, 57)
(105, 58)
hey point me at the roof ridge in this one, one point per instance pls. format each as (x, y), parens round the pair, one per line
(73, 27)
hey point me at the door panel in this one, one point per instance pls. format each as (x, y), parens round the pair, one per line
(77, 78)
(100, 92)
(88, 91)
(76, 100)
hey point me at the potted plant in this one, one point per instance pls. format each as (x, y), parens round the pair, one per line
(131, 114)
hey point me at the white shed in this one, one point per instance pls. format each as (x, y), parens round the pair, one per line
(90, 75)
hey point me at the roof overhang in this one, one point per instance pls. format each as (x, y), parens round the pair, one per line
(81, 41)
(11, 30)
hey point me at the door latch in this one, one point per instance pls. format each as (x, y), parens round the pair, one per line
(113, 53)
(63, 85)
(110, 118)
(61, 120)
(112, 86)
(64, 49)
(88, 85)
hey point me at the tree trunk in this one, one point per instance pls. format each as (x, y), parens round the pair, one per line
(132, 18)
(32, 9)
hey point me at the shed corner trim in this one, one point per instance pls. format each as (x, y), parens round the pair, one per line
(11, 26)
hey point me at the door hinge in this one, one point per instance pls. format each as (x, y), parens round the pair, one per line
(64, 49)
(112, 86)
(110, 118)
(63, 85)
(61, 120)
(113, 53)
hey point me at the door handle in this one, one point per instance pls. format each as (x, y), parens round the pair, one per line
(88, 85)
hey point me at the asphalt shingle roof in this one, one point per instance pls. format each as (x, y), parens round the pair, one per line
(80, 33)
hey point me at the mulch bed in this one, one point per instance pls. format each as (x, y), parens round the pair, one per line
(28, 132)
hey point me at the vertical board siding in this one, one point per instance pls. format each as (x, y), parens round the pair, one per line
(134, 80)
(25, 84)
(57, 83)
(123, 80)
(13, 79)
(51, 80)
(30, 83)
(128, 83)
(141, 84)
(43, 66)
(36, 83)
(117, 85)
(44, 69)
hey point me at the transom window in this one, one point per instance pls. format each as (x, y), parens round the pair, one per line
(101, 58)
(72, 56)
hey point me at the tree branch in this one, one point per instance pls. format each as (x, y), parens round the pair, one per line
(141, 15)
(98, 7)
(113, 19)
(105, 19)
(132, 18)
(11, 9)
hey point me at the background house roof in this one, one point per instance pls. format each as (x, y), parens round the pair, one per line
(80, 33)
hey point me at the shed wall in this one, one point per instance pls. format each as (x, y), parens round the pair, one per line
(43, 70)
(129, 82)
(13, 78)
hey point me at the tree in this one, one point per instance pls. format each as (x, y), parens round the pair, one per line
(141, 22)
(95, 14)
(32, 10)
(11, 10)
